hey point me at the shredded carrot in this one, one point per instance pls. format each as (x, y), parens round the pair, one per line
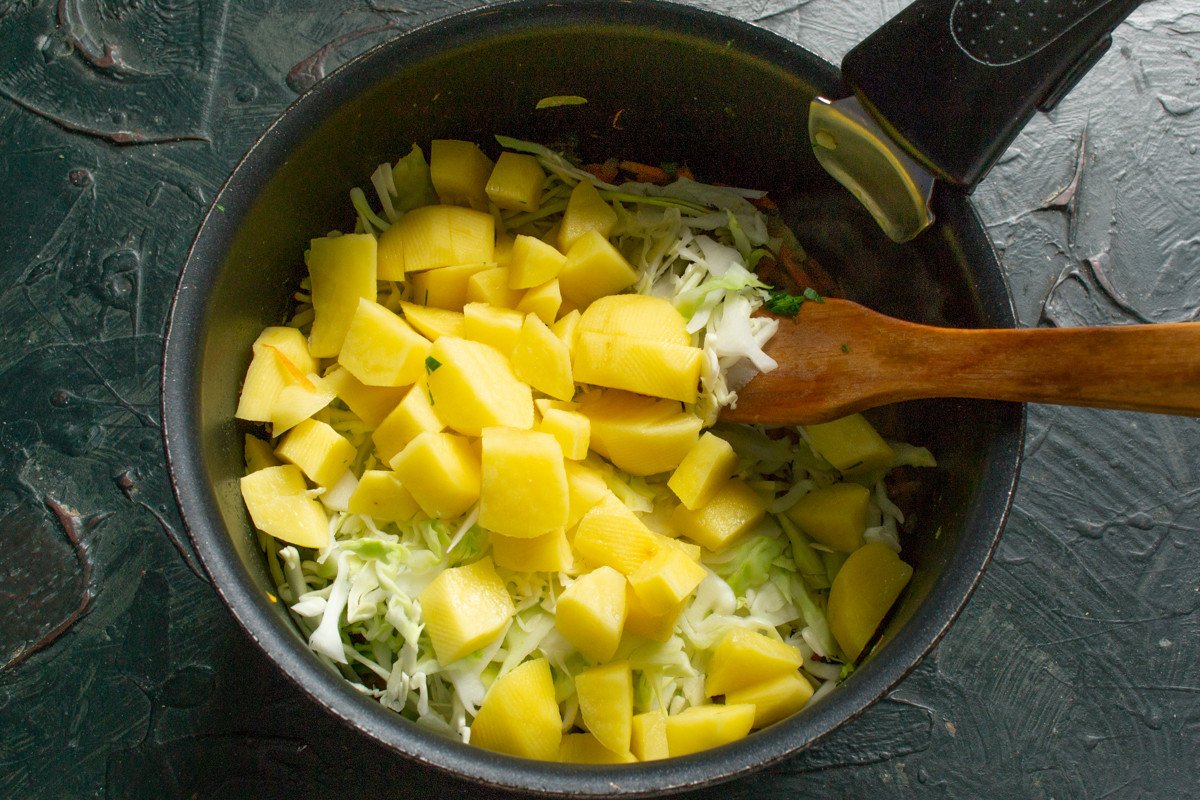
(616, 120)
(765, 203)
(685, 172)
(606, 172)
(646, 173)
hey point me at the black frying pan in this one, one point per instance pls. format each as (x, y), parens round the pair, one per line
(664, 83)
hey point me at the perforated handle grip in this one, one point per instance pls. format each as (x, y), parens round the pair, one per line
(954, 81)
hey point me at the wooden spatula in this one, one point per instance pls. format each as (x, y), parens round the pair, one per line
(837, 357)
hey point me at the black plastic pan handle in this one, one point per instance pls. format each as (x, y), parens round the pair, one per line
(954, 81)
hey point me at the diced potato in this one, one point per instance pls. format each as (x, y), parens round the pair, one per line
(836, 516)
(649, 736)
(342, 271)
(258, 454)
(524, 483)
(380, 349)
(734, 510)
(584, 748)
(491, 286)
(473, 387)
(544, 404)
(445, 287)
(591, 613)
(703, 471)
(371, 404)
(413, 415)
(744, 657)
(541, 359)
(444, 236)
(275, 350)
(774, 698)
(666, 579)
(863, 592)
(543, 301)
(298, 401)
(381, 495)
(606, 703)
(550, 552)
(612, 535)
(641, 435)
(636, 316)
(704, 727)
(516, 182)
(459, 171)
(586, 212)
(851, 445)
(647, 367)
(442, 472)
(389, 259)
(566, 327)
(432, 322)
(503, 251)
(594, 269)
(572, 430)
(533, 262)
(465, 608)
(519, 715)
(499, 327)
(318, 450)
(586, 488)
(279, 506)
(640, 621)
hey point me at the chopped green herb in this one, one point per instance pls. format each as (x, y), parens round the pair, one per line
(846, 671)
(220, 208)
(845, 348)
(784, 304)
(431, 364)
(811, 295)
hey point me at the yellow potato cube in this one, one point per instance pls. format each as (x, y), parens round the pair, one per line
(566, 327)
(298, 401)
(550, 552)
(381, 495)
(606, 703)
(389, 258)
(380, 349)
(851, 445)
(499, 327)
(544, 404)
(281, 357)
(433, 322)
(445, 287)
(641, 435)
(342, 272)
(594, 269)
(371, 404)
(584, 748)
(318, 450)
(863, 592)
(586, 212)
(730, 515)
(591, 613)
(572, 430)
(459, 171)
(516, 182)
(473, 387)
(541, 359)
(519, 715)
(413, 415)
(279, 505)
(533, 262)
(524, 483)
(612, 535)
(836, 516)
(704, 727)
(543, 301)
(636, 316)
(441, 471)
(649, 736)
(258, 454)
(491, 286)
(647, 367)
(744, 657)
(774, 698)
(641, 622)
(465, 608)
(665, 580)
(703, 471)
(586, 488)
(444, 236)
(502, 254)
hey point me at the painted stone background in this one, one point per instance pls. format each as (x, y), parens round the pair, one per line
(1074, 672)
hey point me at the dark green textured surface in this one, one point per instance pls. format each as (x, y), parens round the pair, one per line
(1073, 672)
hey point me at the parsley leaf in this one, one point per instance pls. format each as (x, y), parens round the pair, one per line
(788, 305)
(431, 364)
